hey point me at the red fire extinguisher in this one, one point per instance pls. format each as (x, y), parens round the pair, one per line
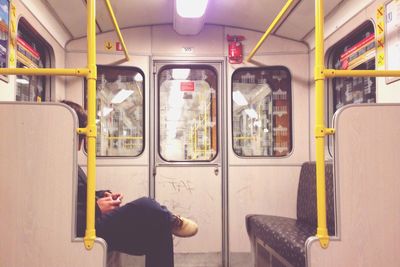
(235, 49)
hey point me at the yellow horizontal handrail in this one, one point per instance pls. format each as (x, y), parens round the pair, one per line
(123, 137)
(114, 20)
(45, 71)
(270, 28)
(331, 73)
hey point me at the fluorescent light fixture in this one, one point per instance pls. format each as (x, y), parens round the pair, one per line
(121, 96)
(138, 77)
(257, 123)
(239, 98)
(191, 8)
(251, 113)
(22, 81)
(104, 112)
(180, 74)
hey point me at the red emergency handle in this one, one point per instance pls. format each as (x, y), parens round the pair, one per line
(235, 49)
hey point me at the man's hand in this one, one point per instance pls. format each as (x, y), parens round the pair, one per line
(109, 202)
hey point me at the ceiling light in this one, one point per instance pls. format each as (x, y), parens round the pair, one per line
(22, 81)
(180, 74)
(138, 77)
(121, 96)
(251, 113)
(104, 112)
(191, 9)
(239, 98)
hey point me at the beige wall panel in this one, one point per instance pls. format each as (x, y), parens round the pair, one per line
(273, 44)
(166, 42)
(40, 190)
(45, 17)
(131, 181)
(345, 12)
(263, 190)
(195, 193)
(137, 40)
(367, 189)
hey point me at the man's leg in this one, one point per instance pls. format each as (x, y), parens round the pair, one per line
(141, 227)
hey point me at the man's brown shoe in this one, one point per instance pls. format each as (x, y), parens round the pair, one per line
(183, 227)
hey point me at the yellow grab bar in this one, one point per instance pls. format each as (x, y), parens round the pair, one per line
(44, 71)
(91, 129)
(331, 73)
(320, 129)
(114, 20)
(270, 28)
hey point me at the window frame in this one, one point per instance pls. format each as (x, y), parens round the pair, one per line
(289, 111)
(132, 68)
(47, 54)
(329, 83)
(188, 66)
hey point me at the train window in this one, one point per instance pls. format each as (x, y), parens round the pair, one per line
(32, 52)
(120, 116)
(261, 112)
(356, 51)
(187, 113)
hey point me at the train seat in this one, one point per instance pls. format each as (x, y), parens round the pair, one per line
(286, 237)
(38, 184)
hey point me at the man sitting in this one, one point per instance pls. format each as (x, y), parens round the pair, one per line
(140, 227)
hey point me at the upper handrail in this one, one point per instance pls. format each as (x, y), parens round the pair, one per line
(270, 28)
(114, 20)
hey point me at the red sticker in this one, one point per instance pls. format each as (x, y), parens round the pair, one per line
(187, 86)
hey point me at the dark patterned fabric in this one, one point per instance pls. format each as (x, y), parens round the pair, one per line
(287, 236)
(307, 198)
(284, 235)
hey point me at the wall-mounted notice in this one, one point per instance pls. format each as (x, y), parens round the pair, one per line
(392, 37)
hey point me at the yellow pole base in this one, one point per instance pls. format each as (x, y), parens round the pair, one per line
(323, 237)
(88, 240)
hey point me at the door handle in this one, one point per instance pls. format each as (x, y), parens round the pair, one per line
(216, 171)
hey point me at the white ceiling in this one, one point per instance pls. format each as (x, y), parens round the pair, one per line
(249, 14)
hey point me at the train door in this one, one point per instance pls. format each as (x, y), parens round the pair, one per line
(188, 155)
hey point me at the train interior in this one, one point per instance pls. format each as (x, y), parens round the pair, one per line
(185, 116)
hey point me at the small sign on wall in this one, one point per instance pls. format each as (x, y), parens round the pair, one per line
(187, 86)
(118, 46)
(392, 38)
(188, 50)
(108, 45)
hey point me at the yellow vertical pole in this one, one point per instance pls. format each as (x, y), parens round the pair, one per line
(320, 130)
(90, 234)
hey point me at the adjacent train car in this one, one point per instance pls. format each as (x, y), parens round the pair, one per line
(185, 117)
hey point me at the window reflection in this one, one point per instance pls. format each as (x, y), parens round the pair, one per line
(32, 52)
(261, 112)
(120, 114)
(187, 108)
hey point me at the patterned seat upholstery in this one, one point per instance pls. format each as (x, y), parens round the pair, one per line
(287, 236)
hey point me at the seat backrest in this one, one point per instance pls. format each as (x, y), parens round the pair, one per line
(307, 198)
(38, 188)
